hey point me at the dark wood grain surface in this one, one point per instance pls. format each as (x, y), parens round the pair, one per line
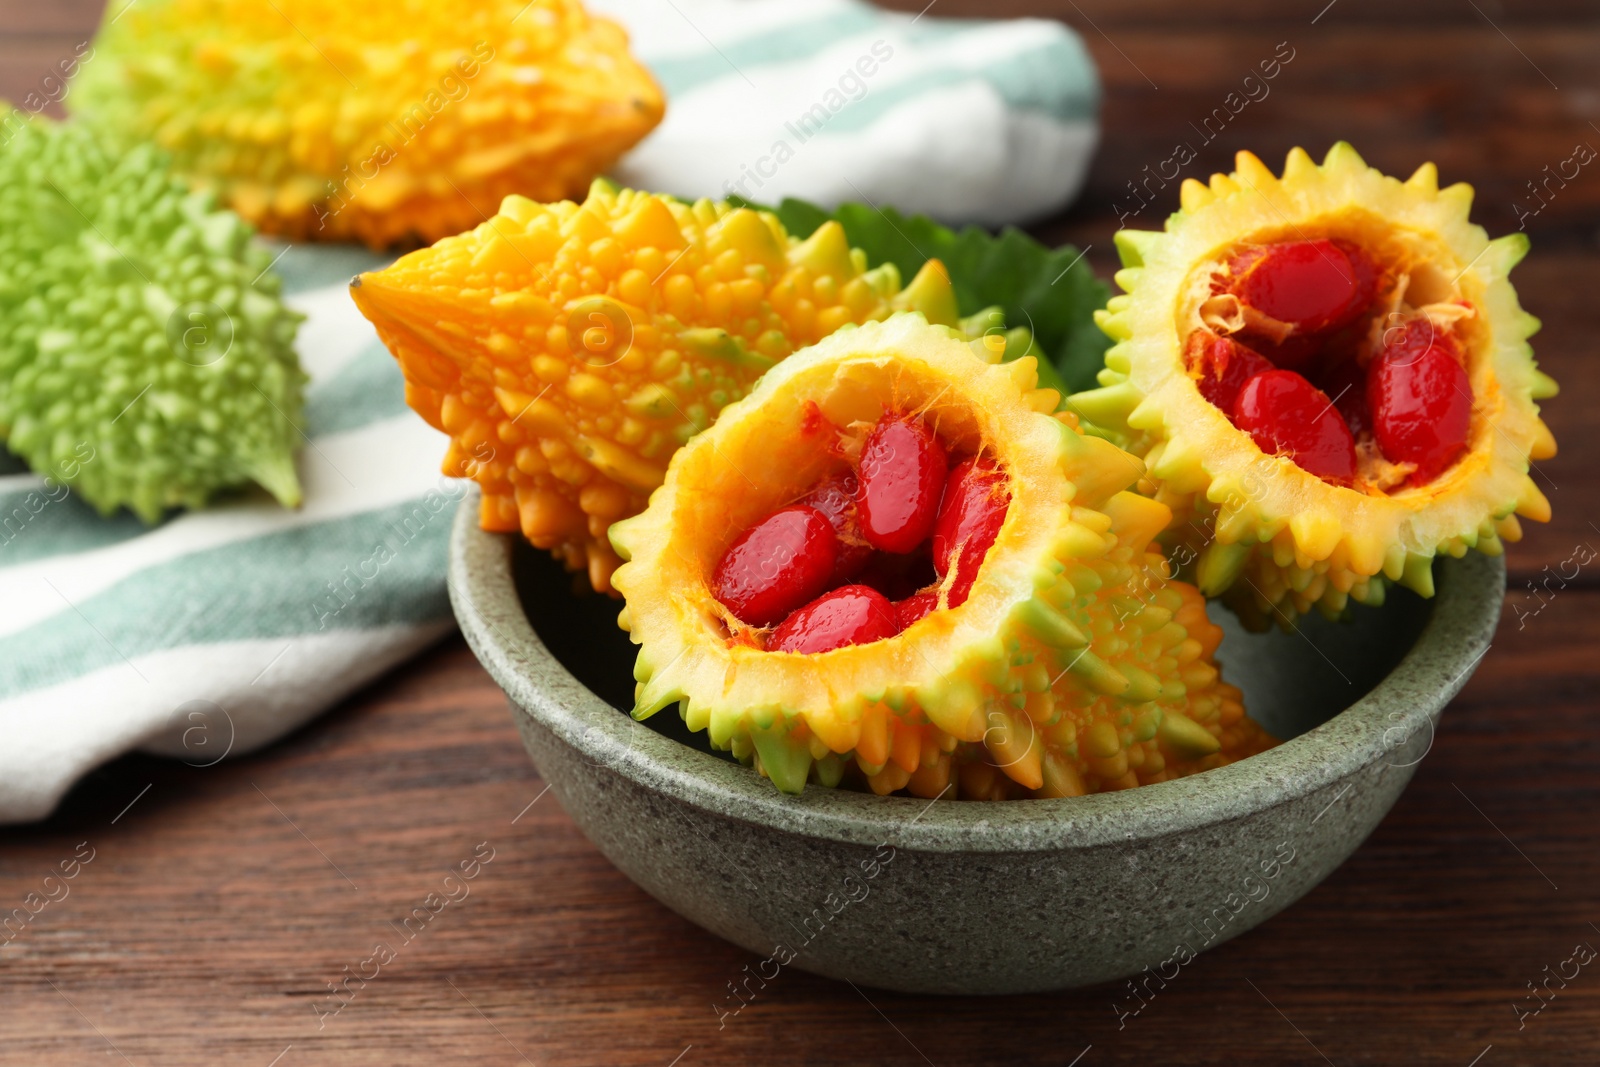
(218, 907)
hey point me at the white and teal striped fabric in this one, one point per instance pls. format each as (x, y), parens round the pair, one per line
(986, 121)
(217, 632)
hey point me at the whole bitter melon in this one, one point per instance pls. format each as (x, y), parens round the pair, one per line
(569, 349)
(379, 122)
(146, 357)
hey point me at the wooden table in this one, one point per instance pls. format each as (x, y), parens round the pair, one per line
(220, 903)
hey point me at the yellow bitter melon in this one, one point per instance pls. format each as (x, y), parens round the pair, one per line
(1276, 539)
(569, 349)
(1075, 664)
(379, 122)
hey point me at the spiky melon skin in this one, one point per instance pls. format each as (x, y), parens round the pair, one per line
(383, 123)
(1074, 666)
(1272, 539)
(146, 358)
(570, 349)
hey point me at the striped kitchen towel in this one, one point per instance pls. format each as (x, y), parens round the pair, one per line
(966, 120)
(219, 631)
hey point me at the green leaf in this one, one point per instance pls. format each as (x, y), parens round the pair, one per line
(1052, 292)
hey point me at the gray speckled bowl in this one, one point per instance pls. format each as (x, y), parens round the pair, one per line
(956, 897)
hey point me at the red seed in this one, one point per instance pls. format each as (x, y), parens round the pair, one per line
(1313, 285)
(1421, 401)
(912, 608)
(776, 565)
(970, 516)
(902, 474)
(1411, 338)
(1366, 272)
(850, 615)
(1222, 365)
(835, 497)
(1287, 415)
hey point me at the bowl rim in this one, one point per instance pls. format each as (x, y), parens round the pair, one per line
(1409, 699)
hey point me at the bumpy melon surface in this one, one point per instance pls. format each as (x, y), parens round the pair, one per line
(1075, 665)
(379, 122)
(1274, 538)
(146, 357)
(569, 349)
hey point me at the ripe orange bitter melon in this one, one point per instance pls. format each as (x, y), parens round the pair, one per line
(1385, 325)
(1073, 664)
(384, 123)
(569, 349)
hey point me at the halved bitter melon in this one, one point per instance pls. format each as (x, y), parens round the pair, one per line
(1383, 324)
(569, 349)
(379, 122)
(1072, 665)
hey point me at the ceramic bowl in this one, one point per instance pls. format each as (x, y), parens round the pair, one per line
(962, 897)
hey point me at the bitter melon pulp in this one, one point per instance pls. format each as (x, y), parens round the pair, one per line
(569, 349)
(378, 122)
(984, 608)
(146, 356)
(1328, 374)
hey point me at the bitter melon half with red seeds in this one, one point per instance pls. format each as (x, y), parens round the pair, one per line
(569, 349)
(378, 122)
(893, 565)
(1329, 376)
